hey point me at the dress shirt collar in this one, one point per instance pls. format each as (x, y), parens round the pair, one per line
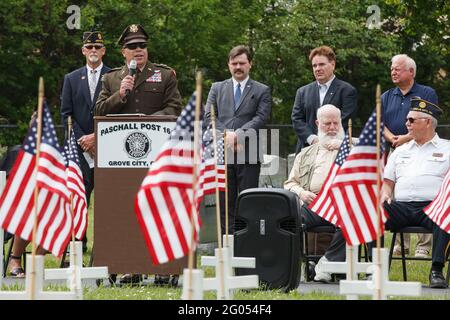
(99, 68)
(243, 83)
(328, 83)
(435, 141)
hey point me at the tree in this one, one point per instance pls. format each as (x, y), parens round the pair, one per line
(197, 35)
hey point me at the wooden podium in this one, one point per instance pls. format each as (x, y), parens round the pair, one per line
(126, 145)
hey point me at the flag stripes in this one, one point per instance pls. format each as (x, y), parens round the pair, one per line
(322, 204)
(164, 202)
(439, 209)
(354, 190)
(17, 203)
(75, 185)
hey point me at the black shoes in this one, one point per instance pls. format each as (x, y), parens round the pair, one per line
(437, 280)
(162, 280)
(174, 280)
(131, 278)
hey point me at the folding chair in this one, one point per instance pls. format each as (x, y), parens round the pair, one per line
(404, 257)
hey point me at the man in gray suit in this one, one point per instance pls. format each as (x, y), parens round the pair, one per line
(242, 107)
(327, 89)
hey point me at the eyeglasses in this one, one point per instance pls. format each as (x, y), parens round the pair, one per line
(411, 120)
(91, 46)
(133, 46)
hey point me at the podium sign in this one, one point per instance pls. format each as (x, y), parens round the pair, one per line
(126, 145)
(130, 144)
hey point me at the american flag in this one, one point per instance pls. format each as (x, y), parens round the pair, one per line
(354, 189)
(322, 203)
(439, 209)
(17, 204)
(75, 184)
(209, 169)
(164, 201)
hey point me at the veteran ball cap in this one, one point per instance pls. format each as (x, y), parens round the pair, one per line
(133, 34)
(421, 105)
(92, 37)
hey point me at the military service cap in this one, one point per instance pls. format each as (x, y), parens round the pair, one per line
(133, 34)
(92, 37)
(421, 105)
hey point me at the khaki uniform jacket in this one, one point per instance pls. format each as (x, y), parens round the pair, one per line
(300, 176)
(302, 171)
(155, 92)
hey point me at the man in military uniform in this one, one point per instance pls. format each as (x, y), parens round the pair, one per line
(153, 90)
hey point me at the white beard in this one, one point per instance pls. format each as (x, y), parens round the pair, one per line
(325, 139)
(93, 59)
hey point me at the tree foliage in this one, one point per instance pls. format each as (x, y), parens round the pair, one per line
(197, 35)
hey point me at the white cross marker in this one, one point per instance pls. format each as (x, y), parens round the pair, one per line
(194, 291)
(235, 262)
(225, 289)
(39, 293)
(76, 261)
(351, 267)
(398, 288)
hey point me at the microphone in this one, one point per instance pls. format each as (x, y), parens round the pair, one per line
(131, 71)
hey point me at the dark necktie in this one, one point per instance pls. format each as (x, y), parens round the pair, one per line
(237, 95)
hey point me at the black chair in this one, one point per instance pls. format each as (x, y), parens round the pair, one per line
(404, 257)
(6, 256)
(310, 260)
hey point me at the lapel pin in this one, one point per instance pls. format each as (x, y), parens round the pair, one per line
(83, 77)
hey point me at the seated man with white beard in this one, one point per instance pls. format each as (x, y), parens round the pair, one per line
(310, 169)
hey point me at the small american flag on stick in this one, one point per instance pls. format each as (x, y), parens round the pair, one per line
(163, 204)
(209, 168)
(322, 203)
(17, 205)
(76, 186)
(439, 209)
(354, 189)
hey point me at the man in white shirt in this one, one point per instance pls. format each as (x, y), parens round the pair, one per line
(414, 173)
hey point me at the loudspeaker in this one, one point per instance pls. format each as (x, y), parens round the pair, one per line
(268, 227)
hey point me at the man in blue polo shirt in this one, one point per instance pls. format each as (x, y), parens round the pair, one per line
(396, 101)
(395, 104)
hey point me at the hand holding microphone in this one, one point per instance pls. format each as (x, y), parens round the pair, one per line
(127, 83)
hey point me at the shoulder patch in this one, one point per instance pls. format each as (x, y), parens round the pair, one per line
(165, 66)
(114, 69)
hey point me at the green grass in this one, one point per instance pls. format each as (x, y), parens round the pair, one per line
(417, 271)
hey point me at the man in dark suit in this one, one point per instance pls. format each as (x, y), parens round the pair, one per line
(242, 107)
(327, 89)
(80, 91)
